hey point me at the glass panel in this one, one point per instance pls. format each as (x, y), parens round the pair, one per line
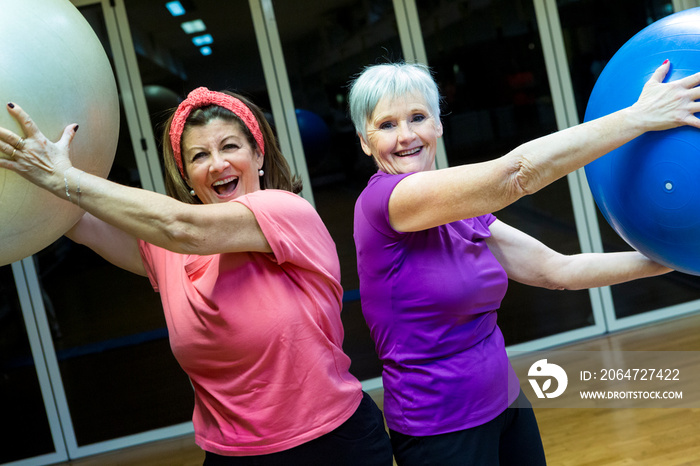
(171, 65)
(593, 31)
(25, 424)
(490, 67)
(110, 339)
(325, 44)
(109, 331)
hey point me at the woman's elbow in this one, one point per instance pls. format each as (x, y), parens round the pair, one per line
(558, 285)
(557, 273)
(181, 237)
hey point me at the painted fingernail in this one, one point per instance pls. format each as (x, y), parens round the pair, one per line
(75, 128)
(665, 61)
(11, 105)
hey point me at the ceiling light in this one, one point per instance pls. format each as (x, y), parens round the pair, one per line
(175, 8)
(191, 27)
(202, 40)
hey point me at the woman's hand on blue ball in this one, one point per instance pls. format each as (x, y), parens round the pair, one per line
(668, 105)
(33, 156)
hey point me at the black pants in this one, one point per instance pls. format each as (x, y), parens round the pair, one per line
(361, 440)
(512, 438)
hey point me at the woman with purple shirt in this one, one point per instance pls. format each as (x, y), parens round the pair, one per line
(434, 263)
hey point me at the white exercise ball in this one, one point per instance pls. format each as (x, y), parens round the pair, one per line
(53, 65)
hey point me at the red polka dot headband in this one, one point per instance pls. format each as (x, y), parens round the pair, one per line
(201, 97)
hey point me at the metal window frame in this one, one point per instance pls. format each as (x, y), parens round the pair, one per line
(131, 92)
(280, 91)
(413, 47)
(23, 272)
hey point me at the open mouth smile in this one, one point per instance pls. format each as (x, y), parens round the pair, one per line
(409, 152)
(225, 186)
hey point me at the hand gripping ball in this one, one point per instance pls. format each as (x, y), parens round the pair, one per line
(53, 65)
(649, 189)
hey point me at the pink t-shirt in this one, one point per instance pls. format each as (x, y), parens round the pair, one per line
(260, 335)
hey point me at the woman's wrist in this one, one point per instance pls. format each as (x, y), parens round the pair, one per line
(71, 189)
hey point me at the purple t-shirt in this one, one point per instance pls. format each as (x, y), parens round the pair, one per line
(430, 300)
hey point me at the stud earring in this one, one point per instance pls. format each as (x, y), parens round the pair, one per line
(192, 192)
(261, 172)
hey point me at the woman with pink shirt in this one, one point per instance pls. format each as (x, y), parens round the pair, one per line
(249, 279)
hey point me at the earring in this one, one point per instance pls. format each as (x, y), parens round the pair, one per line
(192, 192)
(261, 172)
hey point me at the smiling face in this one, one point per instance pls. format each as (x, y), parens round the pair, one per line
(220, 163)
(402, 135)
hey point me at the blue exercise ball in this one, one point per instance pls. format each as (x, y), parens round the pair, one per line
(649, 189)
(315, 134)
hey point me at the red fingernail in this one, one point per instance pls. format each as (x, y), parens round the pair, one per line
(11, 105)
(665, 61)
